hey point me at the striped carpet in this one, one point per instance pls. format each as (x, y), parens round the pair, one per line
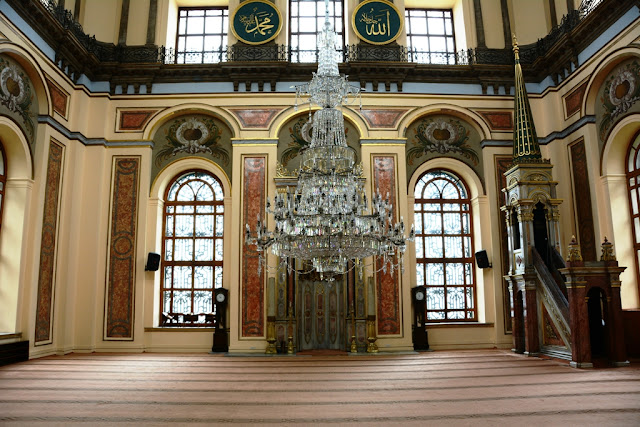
(485, 387)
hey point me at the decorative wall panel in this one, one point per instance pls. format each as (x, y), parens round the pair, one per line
(254, 118)
(498, 120)
(387, 286)
(134, 120)
(252, 286)
(382, 118)
(573, 101)
(18, 98)
(584, 214)
(120, 291)
(502, 165)
(59, 98)
(48, 245)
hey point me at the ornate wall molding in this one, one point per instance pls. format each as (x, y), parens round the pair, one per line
(48, 246)
(121, 268)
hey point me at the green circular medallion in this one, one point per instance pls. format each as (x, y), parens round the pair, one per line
(256, 22)
(377, 21)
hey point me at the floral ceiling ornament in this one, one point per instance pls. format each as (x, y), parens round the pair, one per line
(441, 136)
(621, 91)
(192, 136)
(15, 92)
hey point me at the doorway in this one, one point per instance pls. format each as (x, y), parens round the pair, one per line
(596, 306)
(540, 235)
(321, 314)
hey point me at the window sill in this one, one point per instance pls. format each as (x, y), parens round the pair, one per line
(458, 325)
(179, 329)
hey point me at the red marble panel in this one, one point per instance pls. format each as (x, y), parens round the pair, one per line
(253, 202)
(573, 101)
(255, 117)
(381, 118)
(135, 120)
(498, 120)
(585, 225)
(122, 249)
(58, 99)
(387, 287)
(44, 299)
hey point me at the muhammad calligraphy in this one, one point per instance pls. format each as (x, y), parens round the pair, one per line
(256, 22)
(377, 21)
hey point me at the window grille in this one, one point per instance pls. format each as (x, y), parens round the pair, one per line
(444, 247)
(306, 18)
(192, 254)
(202, 35)
(430, 38)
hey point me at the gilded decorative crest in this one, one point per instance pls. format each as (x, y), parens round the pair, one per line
(621, 91)
(192, 136)
(15, 93)
(441, 136)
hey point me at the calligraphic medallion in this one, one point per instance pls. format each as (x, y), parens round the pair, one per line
(256, 22)
(377, 21)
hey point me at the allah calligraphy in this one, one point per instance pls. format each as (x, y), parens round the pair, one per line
(377, 22)
(256, 22)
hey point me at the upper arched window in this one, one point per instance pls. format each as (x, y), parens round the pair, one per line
(192, 249)
(306, 19)
(444, 247)
(633, 185)
(3, 179)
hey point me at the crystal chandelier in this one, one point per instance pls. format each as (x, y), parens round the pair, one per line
(326, 221)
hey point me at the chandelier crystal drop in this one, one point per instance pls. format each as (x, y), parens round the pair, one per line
(327, 221)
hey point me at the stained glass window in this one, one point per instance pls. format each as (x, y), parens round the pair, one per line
(3, 179)
(192, 250)
(306, 19)
(202, 35)
(444, 247)
(633, 185)
(430, 36)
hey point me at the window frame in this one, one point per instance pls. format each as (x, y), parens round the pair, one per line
(414, 55)
(225, 36)
(3, 181)
(424, 260)
(634, 148)
(172, 319)
(342, 34)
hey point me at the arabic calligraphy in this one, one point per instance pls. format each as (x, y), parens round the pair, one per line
(259, 22)
(256, 22)
(377, 21)
(374, 23)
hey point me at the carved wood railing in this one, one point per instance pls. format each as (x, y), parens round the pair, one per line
(548, 281)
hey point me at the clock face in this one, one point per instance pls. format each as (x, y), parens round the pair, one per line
(220, 297)
(419, 296)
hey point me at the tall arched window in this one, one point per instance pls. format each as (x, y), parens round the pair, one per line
(633, 184)
(3, 179)
(444, 247)
(192, 249)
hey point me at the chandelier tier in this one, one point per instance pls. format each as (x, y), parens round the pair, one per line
(326, 221)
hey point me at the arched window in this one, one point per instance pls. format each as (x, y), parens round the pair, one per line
(192, 249)
(633, 184)
(3, 179)
(444, 247)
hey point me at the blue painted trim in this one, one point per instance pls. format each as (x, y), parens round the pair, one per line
(496, 143)
(608, 35)
(547, 139)
(20, 23)
(77, 136)
(567, 131)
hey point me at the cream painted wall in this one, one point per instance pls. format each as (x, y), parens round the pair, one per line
(529, 20)
(84, 209)
(138, 22)
(102, 19)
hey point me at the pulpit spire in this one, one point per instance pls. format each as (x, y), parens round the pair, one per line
(525, 140)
